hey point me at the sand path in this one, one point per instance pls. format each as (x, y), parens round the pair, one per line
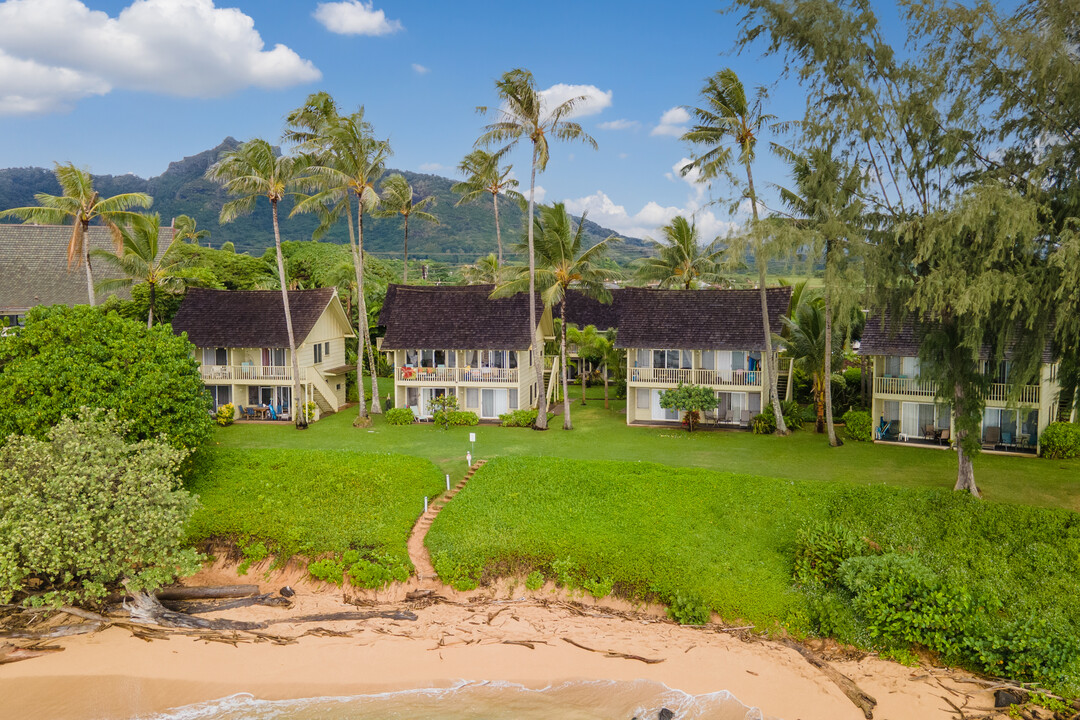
(418, 552)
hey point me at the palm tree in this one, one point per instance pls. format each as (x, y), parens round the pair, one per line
(252, 171)
(521, 114)
(681, 261)
(81, 204)
(728, 122)
(826, 197)
(141, 263)
(348, 161)
(397, 200)
(186, 230)
(485, 271)
(591, 345)
(807, 341)
(484, 175)
(563, 261)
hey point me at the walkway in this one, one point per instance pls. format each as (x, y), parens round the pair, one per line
(418, 552)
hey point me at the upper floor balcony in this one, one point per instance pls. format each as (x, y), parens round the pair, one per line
(250, 374)
(428, 375)
(917, 387)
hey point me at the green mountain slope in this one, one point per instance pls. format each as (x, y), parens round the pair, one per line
(464, 233)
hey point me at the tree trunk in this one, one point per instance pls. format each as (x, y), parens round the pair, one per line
(405, 273)
(361, 316)
(771, 367)
(581, 374)
(298, 394)
(538, 356)
(607, 405)
(567, 425)
(150, 314)
(89, 282)
(965, 471)
(362, 323)
(833, 440)
(498, 234)
(373, 368)
(819, 406)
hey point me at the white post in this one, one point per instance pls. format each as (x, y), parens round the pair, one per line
(425, 503)
(468, 458)
(448, 481)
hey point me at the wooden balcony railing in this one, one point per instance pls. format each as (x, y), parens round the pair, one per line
(674, 376)
(456, 375)
(249, 373)
(916, 387)
(1029, 394)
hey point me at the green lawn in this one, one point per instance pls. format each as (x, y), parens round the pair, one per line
(603, 435)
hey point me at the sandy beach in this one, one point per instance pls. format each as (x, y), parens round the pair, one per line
(113, 674)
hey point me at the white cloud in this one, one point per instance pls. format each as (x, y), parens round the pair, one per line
(595, 99)
(672, 122)
(432, 167)
(353, 17)
(420, 69)
(647, 221)
(188, 48)
(541, 193)
(620, 124)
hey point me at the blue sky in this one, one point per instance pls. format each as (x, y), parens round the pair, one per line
(130, 85)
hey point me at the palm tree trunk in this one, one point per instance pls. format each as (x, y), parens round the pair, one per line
(819, 405)
(581, 374)
(965, 471)
(373, 368)
(767, 356)
(405, 273)
(833, 440)
(567, 425)
(607, 405)
(498, 234)
(298, 394)
(150, 314)
(361, 319)
(538, 356)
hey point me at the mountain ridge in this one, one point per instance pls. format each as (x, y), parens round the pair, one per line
(464, 233)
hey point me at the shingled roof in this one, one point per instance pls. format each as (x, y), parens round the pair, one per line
(697, 319)
(455, 317)
(34, 267)
(248, 318)
(902, 338)
(582, 310)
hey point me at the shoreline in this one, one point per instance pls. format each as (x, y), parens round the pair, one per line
(113, 674)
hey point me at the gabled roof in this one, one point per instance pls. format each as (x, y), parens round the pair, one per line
(697, 319)
(582, 310)
(249, 318)
(903, 338)
(34, 266)
(455, 317)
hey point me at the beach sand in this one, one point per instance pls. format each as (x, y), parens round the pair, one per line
(112, 674)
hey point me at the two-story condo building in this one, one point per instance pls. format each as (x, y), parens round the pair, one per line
(712, 338)
(243, 345)
(905, 406)
(457, 340)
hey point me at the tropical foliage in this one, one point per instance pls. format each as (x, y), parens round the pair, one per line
(691, 401)
(397, 201)
(806, 342)
(681, 261)
(484, 174)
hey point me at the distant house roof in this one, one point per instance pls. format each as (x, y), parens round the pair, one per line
(34, 267)
(248, 318)
(883, 336)
(582, 310)
(697, 319)
(455, 317)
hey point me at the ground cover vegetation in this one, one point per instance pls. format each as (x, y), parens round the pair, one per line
(984, 585)
(344, 511)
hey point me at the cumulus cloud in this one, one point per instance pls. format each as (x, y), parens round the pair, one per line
(672, 122)
(595, 99)
(420, 69)
(353, 17)
(541, 193)
(647, 221)
(620, 124)
(432, 167)
(190, 48)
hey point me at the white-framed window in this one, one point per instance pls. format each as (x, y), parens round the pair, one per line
(215, 356)
(672, 359)
(513, 399)
(222, 394)
(318, 352)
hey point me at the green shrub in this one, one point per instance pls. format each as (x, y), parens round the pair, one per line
(858, 425)
(253, 553)
(400, 416)
(534, 581)
(1060, 440)
(564, 572)
(330, 570)
(598, 588)
(820, 548)
(463, 418)
(764, 423)
(225, 415)
(689, 609)
(518, 418)
(442, 406)
(85, 509)
(793, 414)
(148, 377)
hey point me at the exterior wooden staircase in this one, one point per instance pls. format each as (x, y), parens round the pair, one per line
(418, 553)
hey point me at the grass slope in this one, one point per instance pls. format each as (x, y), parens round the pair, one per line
(312, 502)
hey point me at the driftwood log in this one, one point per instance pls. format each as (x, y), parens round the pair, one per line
(10, 653)
(195, 607)
(204, 592)
(860, 698)
(614, 654)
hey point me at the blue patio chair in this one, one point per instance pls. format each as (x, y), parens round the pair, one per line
(1006, 439)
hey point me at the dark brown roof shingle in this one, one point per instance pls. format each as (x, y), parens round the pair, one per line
(248, 318)
(455, 317)
(697, 319)
(34, 267)
(884, 336)
(582, 310)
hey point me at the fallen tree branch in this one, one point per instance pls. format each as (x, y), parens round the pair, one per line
(56, 632)
(349, 615)
(614, 654)
(861, 699)
(12, 653)
(195, 608)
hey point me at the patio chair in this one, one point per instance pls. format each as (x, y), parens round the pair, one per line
(944, 437)
(1007, 439)
(992, 437)
(930, 432)
(745, 417)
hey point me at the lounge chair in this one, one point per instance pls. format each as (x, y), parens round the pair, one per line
(930, 432)
(745, 417)
(992, 437)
